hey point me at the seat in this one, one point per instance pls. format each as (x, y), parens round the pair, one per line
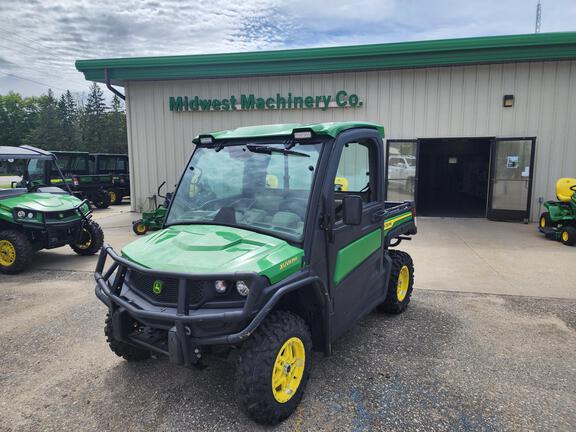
(563, 191)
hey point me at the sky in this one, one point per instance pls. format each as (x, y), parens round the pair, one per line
(40, 40)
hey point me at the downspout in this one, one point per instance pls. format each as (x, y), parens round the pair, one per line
(109, 86)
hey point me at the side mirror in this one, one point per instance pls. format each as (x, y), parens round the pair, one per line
(352, 210)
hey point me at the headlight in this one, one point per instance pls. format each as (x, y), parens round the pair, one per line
(21, 214)
(30, 215)
(242, 288)
(220, 286)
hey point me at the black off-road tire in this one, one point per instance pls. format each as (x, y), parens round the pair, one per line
(255, 365)
(121, 349)
(94, 237)
(568, 236)
(24, 251)
(139, 228)
(545, 221)
(392, 304)
(101, 199)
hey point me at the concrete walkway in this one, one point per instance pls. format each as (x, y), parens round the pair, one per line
(481, 256)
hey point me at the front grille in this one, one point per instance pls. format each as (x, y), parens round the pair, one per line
(58, 216)
(168, 294)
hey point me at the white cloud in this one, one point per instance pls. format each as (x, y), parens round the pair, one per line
(41, 40)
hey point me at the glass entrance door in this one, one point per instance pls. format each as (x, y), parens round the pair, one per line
(402, 176)
(511, 179)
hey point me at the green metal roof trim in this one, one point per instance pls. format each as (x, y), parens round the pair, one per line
(283, 130)
(491, 49)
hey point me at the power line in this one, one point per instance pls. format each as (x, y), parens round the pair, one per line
(34, 81)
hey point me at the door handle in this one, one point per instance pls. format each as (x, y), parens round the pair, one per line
(379, 215)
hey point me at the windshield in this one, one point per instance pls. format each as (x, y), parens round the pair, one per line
(259, 185)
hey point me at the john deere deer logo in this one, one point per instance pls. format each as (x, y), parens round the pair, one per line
(157, 287)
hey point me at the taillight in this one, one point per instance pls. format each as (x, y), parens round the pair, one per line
(122, 179)
(75, 181)
(414, 212)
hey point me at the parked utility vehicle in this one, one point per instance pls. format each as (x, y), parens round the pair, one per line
(558, 222)
(262, 252)
(115, 165)
(153, 220)
(35, 216)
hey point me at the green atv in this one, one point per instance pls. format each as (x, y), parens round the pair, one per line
(36, 216)
(559, 221)
(152, 221)
(264, 254)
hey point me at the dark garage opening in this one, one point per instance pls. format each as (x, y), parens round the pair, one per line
(453, 177)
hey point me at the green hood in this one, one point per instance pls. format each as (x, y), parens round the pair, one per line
(40, 202)
(215, 249)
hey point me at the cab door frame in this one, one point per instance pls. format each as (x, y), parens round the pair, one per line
(360, 288)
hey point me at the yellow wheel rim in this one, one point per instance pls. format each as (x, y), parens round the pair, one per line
(288, 370)
(7, 253)
(565, 236)
(140, 228)
(112, 196)
(88, 239)
(403, 283)
(542, 222)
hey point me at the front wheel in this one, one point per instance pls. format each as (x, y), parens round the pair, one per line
(127, 352)
(568, 236)
(401, 283)
(90, 240)
(115, 197)
(15, 252)
(139, 227)
(274, 367)
(545, 221)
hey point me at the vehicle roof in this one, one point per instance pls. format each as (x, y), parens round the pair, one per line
(24, 152)
(71, 152)
(109, 154)
(276, 130)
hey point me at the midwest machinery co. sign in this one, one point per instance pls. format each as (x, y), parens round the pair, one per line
(249, 102)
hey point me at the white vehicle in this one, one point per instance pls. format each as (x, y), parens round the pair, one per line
(402, 172)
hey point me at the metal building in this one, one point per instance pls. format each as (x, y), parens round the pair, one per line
(477, 127)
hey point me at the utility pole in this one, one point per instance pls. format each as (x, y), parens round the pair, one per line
(538, 17)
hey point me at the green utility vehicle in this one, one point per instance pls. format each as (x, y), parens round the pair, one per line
(115, 165)
(153, 221)
(79, 177)
(558, 222)
(36, 216)
(263, 254)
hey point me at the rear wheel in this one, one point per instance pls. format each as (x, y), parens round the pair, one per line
(91, 239)
(274, 367)
(568, 236)
(139, 228)
(101, 199)
(115, 196)
(15, 252)
(401, 283)
(121, 349)
(545, 221)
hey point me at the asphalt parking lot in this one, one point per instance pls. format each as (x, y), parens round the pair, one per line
(473, 352)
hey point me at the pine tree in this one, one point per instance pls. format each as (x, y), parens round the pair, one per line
(67, 117)
(47, 133)
(93, 121)
(117, 140)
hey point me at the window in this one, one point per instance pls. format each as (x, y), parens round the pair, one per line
(355, 174)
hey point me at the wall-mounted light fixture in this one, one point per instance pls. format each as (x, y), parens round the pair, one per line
(508, 101)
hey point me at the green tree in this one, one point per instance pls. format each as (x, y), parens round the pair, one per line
(116, 127)
(46, 134)
(18, 116)
(94, 121)
(67, 117)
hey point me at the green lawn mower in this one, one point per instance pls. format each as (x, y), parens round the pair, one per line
(559, 221)
(152, 221)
